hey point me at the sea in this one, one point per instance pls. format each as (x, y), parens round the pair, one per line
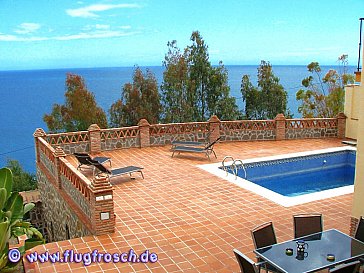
(26, 95)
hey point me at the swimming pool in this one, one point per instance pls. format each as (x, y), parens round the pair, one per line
(295, 178)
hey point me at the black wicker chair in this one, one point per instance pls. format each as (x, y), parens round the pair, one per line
(307, 224)
(359, 234)
(246, 265)
(264, 235)
(352, 267)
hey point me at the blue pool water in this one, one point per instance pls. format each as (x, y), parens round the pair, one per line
(304, 174)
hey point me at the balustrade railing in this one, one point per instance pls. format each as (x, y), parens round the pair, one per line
(96, 140)
(179, 128)
(78, 180)
(68, 138)
(248, 125)
(117, 133)
(310, 123)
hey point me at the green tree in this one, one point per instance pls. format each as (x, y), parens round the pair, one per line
(79, 111)
(199, 72)
(139, 99)
(267, 99)
(22, 180)
(323, 96)
(192, 89)
(175, 93)
(219, 101)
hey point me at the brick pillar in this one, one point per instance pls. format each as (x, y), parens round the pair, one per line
(280, 127)
(353, 224)
(95, 138)
(214, 124)
(58, 153)
(341, 125)
(102, 204)
(39, 132)
(144, 133)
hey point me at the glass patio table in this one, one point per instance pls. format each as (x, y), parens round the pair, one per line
(342, 246)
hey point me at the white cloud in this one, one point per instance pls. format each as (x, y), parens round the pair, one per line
(97, 34)
(103, 27)
(94, 35)
(99, 26)
(90, 11)
(97, 31)
(14, 38)
(125, 27)
(26, 28)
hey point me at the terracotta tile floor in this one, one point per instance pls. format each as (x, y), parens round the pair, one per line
(189, 217)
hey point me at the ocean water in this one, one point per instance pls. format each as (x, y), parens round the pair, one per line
(27, 95)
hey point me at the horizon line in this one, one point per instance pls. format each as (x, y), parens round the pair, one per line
(151, 66)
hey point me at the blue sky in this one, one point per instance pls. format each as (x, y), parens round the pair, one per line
(101, 33)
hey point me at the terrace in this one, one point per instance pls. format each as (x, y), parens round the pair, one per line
(190, 218)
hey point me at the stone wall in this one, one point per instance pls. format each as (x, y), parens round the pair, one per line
(47, 163)
(311, 133)
(247, 130)
(35, 215)
(158, 140)
(314, 128)
(70, 148)
(37, 220)
(76, 195)
(57, 213)
(164, 134)
(247, 135)
(121, 143)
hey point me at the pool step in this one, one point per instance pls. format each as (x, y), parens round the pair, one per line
(233, 166)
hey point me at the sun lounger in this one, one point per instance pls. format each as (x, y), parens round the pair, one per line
(84, 159)
(207, 150)
(192, 143)
(187, 143)
(116, 172)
